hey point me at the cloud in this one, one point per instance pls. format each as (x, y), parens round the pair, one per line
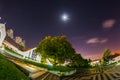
(96, 40)
(109, 23)
(103, 40)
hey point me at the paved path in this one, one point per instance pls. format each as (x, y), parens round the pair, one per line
(102, 76)
(111, 74)
(36, 73)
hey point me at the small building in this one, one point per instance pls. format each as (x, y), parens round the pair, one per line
(95, 62)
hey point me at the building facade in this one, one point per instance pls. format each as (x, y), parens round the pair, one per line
(7, 41)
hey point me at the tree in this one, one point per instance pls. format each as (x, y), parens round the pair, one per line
(56, 49)
(78, 61)
(107, 56)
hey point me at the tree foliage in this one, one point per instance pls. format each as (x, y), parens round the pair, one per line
(78, 61)
(107, 56)
(56, 49)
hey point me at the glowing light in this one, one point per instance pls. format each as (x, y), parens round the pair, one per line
(65, 17)
(48, 62)
(30, 68)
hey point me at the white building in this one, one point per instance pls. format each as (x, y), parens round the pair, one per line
(30, 54)
(95, 62)
(2, 33)
(116, 59)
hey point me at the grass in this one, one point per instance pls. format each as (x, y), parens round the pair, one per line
(49, 67)
(8, 71)
(11, 51)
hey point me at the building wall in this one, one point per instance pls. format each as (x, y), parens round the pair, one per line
(7, 41)
(2, 33)
(10, 33)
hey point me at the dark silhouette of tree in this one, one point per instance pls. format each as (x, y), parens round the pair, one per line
(78, 61)
(107, 56)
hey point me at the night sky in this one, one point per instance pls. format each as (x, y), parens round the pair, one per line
(93, 25)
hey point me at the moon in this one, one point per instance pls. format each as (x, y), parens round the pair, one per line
(65, 17)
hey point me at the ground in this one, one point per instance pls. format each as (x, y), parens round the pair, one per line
(37, 73)
(110, 74)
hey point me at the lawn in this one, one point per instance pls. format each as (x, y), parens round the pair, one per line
(8, 71)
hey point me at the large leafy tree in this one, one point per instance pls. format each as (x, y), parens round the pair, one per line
(56, 49)
(107, 56)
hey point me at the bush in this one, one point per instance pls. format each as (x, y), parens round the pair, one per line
(49, 67)
(13, 52)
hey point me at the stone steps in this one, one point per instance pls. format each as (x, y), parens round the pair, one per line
(103, 76)
(37, 74)
(41, 77)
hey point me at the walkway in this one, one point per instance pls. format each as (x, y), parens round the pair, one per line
(112, 74)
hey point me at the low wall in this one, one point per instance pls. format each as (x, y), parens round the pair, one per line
(58, 73)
